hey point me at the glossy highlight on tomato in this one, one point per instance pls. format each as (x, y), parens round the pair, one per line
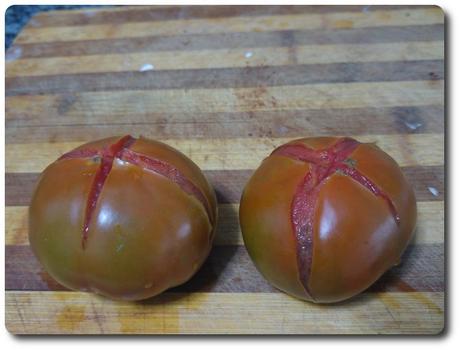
(123, 217)
(323, 218)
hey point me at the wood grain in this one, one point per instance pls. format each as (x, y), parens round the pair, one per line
(119, 104)
(430, 228)
(229, 77)
(229, 269)
(272, 56)
(171, 313)
(260, 124)
(235, 153)
(128, 14)
(228, 184)
(234, 24)
(228, 85)
(96, 10)
(189, 42)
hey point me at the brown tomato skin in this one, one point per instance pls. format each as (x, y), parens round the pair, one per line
(146, 234)
(355, 235)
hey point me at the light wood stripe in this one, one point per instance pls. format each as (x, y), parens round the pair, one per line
(234, 24)
(430, 224)
(121, 104)
(238, 153)
(274, 56)
(218, 78)
(221, 313)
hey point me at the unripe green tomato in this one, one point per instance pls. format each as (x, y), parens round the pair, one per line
(123, 217)
(323, 218)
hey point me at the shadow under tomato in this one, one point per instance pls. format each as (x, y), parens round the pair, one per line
(421, 269)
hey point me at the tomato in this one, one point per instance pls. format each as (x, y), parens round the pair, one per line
(123, 217)
(323, 218)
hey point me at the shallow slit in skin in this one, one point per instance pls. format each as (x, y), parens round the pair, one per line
(80, 153)
(121, 150)
(168, 171)
(107, 157)
(323, 163)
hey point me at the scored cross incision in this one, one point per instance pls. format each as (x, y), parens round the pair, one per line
(167, 170)
(121, 150)
(323, 163)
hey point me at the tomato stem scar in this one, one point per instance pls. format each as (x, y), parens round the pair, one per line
(121, 150)
(323, 163)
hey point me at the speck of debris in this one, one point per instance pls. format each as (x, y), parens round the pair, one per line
(350, 162)
(413, 125)
(283, 130)
(146, 67)
(434, 191)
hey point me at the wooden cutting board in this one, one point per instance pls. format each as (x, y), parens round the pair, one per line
(225, 85)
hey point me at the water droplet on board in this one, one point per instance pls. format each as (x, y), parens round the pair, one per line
(146, 67)
(413, 125)
(434, 191)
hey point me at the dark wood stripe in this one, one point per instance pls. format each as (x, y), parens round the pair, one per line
(227, 77)
(65, 124)
(229, 269)
(423, 177)
(190, 12)
(229, 184)
(287, 38)
(410, 276)
(19, 188)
